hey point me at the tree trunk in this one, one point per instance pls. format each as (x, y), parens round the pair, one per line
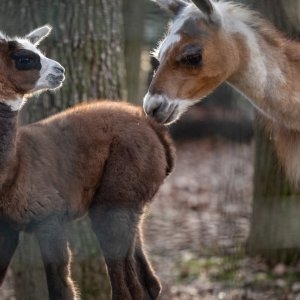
(87, 41)
(134, 20)
(275, 225)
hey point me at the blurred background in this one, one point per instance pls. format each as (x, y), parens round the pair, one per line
(225, 225)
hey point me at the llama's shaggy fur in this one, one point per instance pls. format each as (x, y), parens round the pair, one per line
(235, 45)
(105, 159)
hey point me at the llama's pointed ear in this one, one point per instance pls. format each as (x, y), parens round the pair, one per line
(205, 6)
(173, 6)
(37, 35)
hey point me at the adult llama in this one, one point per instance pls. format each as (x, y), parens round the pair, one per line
(211, 42)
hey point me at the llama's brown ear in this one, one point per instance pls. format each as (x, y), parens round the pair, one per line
(173, 6)
(205, 6)
(37, 35)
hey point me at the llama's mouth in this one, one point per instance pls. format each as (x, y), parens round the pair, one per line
(164, 110)
(173, 116)
(168, 115)
(55, 81)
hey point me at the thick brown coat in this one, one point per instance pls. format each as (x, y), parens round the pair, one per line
(103, 157)
(59, 162)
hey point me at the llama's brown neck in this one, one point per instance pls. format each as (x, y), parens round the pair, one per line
(8, 137)
(269, 73)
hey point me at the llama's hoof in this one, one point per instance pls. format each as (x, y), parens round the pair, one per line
(154, 288)
(150, 283)
(141, 282)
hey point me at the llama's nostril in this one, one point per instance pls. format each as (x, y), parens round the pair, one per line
(155, 110)
(59, 69)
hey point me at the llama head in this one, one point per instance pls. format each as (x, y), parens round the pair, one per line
(24, 69)
(195, 57)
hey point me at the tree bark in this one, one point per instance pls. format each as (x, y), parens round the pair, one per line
(275, 224)
(134, 17)
(87, 41)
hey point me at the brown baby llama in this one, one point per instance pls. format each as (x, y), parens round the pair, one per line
(103, 158)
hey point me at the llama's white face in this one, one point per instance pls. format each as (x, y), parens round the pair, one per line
(24, 69)
(52, 73)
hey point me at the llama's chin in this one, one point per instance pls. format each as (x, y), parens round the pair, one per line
(173, 118)
(52, 83)
(55, 86)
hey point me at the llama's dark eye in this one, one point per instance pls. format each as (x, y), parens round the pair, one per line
(190, 55)
(192, 60)
(25, 60)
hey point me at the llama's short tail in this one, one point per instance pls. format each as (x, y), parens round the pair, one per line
(167, 143)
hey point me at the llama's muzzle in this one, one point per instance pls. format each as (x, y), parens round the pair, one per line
(162, 109)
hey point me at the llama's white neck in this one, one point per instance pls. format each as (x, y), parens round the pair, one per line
(15, 105)
(268, 76)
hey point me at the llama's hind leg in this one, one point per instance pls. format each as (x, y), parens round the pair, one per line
(56, 258)
(116, 214)
(9, 239)
(115, 228)
(146, 273)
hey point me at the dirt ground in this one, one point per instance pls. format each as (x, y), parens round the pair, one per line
(197, 227)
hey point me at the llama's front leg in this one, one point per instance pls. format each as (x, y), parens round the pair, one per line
(56, 257)
(115, 228)
(8, 243)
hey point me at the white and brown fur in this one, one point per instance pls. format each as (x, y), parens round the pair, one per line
(104, 158)
(20, 78)
(237, 46)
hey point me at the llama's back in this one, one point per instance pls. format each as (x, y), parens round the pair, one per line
(75, 147)
(111, 119)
